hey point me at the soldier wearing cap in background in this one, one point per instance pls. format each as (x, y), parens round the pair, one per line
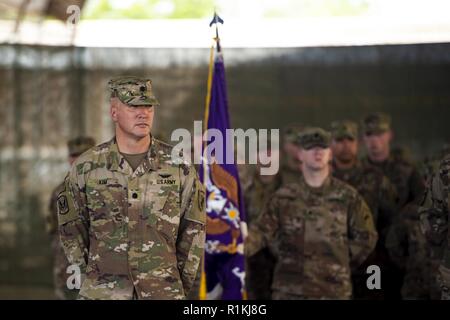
(131, 215)
(75, 147)
(404, 235)
(290, 164)
(320, 226)
(377, 191)
(402, 173)
(260, 267)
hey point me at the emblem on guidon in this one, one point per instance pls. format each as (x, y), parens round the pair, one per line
(223, 214)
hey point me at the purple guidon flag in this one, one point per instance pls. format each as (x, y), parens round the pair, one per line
(224, 250)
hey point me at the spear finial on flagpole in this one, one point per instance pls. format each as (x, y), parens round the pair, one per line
(216, 20)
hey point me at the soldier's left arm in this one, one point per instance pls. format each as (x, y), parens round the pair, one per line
(361, 231)
(192, 230)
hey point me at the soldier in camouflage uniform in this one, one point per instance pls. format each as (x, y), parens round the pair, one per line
(377, 191)
(260, 267)
(320, 227)
(402, 240)
(131, 215)
(430, 168)
(408, 249)
(430, 165)
(290, 164)
(434, 216)
(422, 266)
(402, 173)
(75, 147)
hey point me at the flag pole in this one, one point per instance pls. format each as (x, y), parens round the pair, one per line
(202, 294)
(216, 20)
(203, 291)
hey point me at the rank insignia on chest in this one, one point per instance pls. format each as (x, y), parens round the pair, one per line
(135, 194)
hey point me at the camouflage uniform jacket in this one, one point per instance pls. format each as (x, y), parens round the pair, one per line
(409, 250)
(406, 246)
(376, 189)
(320, 234)
(259, 268)
(406, 178)
(60, 262)
(134, 234)
(435, 219)
(256, 195)
(289, 175)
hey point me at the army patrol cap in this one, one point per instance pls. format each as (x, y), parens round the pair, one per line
(291, 132)
(376, 123)
(133, 91)
(79, 145)
(344, 129)
(312, 137)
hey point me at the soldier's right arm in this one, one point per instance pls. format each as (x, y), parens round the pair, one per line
(263, 231)
(73, 221)
(434, 212)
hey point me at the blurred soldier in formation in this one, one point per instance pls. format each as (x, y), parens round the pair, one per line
(403, 241)
(320, 228)
(75, 147)
(290, 164)
(260, 267)
(377, 191)
(434, 216)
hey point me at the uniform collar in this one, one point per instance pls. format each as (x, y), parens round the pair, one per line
(316, 190)
(379, 164)
(346, 172)
(272, 186)
(115, 161)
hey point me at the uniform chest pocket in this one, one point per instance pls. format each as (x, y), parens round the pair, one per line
(337, 228)
(162, 207)
(325, 223)
(106, 200)
(292, 229)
